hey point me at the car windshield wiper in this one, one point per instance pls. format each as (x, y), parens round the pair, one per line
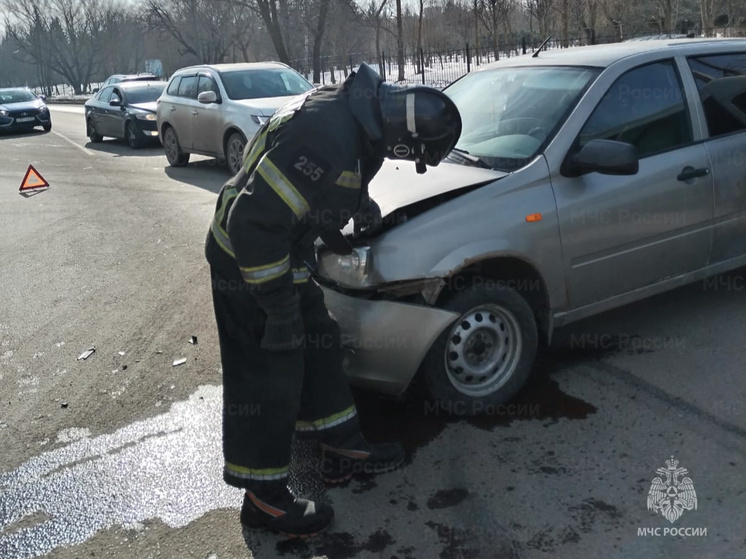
(463, 155)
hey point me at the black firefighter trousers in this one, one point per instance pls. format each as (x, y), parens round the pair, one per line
(269, 396)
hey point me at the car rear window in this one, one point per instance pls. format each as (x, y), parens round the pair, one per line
(721, 81)
(256, 84)
(143, 94)
(173, 88)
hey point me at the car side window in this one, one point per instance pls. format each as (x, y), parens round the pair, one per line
(644, 107)
(206, 83)
(721, 81)
(173, 87)
(104, 95)
(188, 87)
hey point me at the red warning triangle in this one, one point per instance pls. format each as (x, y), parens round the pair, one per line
(33, 180)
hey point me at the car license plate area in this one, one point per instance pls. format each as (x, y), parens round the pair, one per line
(25, 119)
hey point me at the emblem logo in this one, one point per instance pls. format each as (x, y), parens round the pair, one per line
(672, 496)
(401, 150)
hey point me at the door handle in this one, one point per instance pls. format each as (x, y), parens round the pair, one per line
(195, 113)
(688, 173)
(173, 109)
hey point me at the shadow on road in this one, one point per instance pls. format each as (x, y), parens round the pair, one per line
(16, 134)
(206, 174)
(119, 148)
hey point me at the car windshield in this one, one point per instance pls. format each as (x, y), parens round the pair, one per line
(255, 84)
(510, 114)
(146, 94)
(15, 96)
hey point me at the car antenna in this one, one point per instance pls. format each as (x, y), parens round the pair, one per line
(536, 54)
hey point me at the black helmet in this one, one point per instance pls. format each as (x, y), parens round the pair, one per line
(420, 124)
(415, 123)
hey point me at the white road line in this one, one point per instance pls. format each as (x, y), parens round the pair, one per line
(74, 109)
(81, 148)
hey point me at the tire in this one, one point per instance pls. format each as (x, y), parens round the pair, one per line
(484, 358)
(94, 136)
(133, 137)
(234, 152)
(176, 157)
(47, 127)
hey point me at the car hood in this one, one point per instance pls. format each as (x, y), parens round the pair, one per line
(22, 106)
(150, 107)
(397, 184)
(267, 105)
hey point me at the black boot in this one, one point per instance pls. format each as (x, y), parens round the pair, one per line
(341, 464)
(270, 505)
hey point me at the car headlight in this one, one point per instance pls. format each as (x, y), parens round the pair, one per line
(145, 116)
(259, 119)
(3, 112)
(350, 270)
(43, 109)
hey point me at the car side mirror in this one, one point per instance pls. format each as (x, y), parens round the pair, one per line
(95, 90)
(607, 157)
(207, 97)
(115, 102)
(43, 98)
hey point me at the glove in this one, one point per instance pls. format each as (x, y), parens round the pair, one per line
(368, 219)
(284, 329)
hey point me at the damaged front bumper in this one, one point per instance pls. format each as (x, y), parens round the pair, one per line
(386, 340)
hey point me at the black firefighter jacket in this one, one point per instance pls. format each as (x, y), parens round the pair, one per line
(306, 170)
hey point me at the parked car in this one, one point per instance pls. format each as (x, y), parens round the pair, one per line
(118, 78)
(21, 109)
(126, 111)
(214, 110)
(584, 179)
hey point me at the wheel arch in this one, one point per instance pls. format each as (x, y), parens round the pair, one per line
(506, 271)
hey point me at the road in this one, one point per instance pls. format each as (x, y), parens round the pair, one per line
(118, 455)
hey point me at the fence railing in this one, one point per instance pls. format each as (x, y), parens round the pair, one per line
(439, 67)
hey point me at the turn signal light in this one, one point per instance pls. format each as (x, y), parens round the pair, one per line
(533, 217)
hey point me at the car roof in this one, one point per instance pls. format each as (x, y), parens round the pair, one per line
(604, 55)
(19, 88)
(234, 67)
(139, 84)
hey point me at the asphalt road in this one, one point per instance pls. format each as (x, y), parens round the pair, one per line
(118, 455)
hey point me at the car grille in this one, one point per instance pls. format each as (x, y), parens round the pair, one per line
(24, 113)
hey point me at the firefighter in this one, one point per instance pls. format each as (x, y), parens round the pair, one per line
(305, 175)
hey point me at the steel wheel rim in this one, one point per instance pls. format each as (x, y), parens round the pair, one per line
(171, 149)
(483, 350)
(235, 151)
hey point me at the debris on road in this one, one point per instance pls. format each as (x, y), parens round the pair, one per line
(86, 354)
(121, 353)
(193, 340)
(64, 405)
(180, 361)
(124, 367)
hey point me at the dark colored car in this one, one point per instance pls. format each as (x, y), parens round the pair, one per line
(118, 78)
(125, 111)
(20, 109)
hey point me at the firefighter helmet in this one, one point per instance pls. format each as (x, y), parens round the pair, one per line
(415, 123)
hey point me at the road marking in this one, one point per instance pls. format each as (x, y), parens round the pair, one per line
(75, 109)
(81, 148)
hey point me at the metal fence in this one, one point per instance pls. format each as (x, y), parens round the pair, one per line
(439, 67)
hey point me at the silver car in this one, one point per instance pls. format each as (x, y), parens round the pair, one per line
(584, 179)
(213, 110)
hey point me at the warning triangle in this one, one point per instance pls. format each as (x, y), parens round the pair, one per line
(33, 180)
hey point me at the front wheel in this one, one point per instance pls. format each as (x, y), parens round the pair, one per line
(485, 357)
(47, 127)
(134, 140)
(234, 152)
(176, 157)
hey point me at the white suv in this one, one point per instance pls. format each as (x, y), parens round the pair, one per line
(213, 110)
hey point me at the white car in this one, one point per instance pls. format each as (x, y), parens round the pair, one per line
(214, 110)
